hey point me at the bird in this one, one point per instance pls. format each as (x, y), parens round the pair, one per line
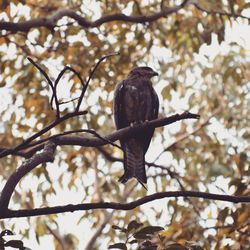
(135, 102)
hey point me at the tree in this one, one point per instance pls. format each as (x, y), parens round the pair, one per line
(59, 68)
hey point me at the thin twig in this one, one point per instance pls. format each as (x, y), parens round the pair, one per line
(221, 13)
(5, 152)
(106, 220)
(65, 102)
(57, 237)
(57, 82)
(90, 131)
(90, 77)
(54, 95)
(187, 135)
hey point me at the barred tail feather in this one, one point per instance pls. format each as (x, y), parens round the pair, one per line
(134, 165)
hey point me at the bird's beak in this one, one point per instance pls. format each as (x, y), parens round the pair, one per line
(155, 74)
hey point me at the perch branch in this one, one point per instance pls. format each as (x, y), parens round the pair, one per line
(96, 140)
(90, 141)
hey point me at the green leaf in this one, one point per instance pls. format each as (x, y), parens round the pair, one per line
(119, 246)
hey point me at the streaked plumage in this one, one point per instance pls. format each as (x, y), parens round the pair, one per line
(135, 101)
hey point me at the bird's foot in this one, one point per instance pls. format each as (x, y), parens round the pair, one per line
(133, 124)
(138, 123)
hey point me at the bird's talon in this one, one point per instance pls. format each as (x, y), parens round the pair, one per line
(132, 124)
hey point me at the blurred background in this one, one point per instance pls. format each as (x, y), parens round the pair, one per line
(201, 53)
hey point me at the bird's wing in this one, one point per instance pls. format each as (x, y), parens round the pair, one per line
(155, 104)
(155, 109)
(117, 106)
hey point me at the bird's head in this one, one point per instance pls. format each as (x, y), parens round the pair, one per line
(143, 71)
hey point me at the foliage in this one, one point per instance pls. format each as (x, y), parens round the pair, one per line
(201, 70)
(18, 244)
(149, 238)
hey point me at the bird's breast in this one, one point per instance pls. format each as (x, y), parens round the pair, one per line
(137, 101)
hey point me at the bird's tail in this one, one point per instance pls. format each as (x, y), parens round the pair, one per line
(134, 164)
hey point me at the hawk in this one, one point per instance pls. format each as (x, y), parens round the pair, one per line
(135, 101)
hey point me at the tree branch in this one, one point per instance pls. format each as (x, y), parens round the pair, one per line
(106, 220)
(95, 140)
(91, 141)
(90, 77)
(54, 96)
(221, 13)
(119, 206)
(51, 21)
(187, 135)
(53, 88)
(46, 156)
(14, 151)
(57, 237)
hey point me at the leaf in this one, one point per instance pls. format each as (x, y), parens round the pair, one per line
(2, 243)
(6, 232)
(176, 246)
(41, 229)
(150, 230)
(166, 92)
(133, 242)
(133, 225)
(14, 244)
(141, 236)
(119, 228)
(119, 246)
(150, 248)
